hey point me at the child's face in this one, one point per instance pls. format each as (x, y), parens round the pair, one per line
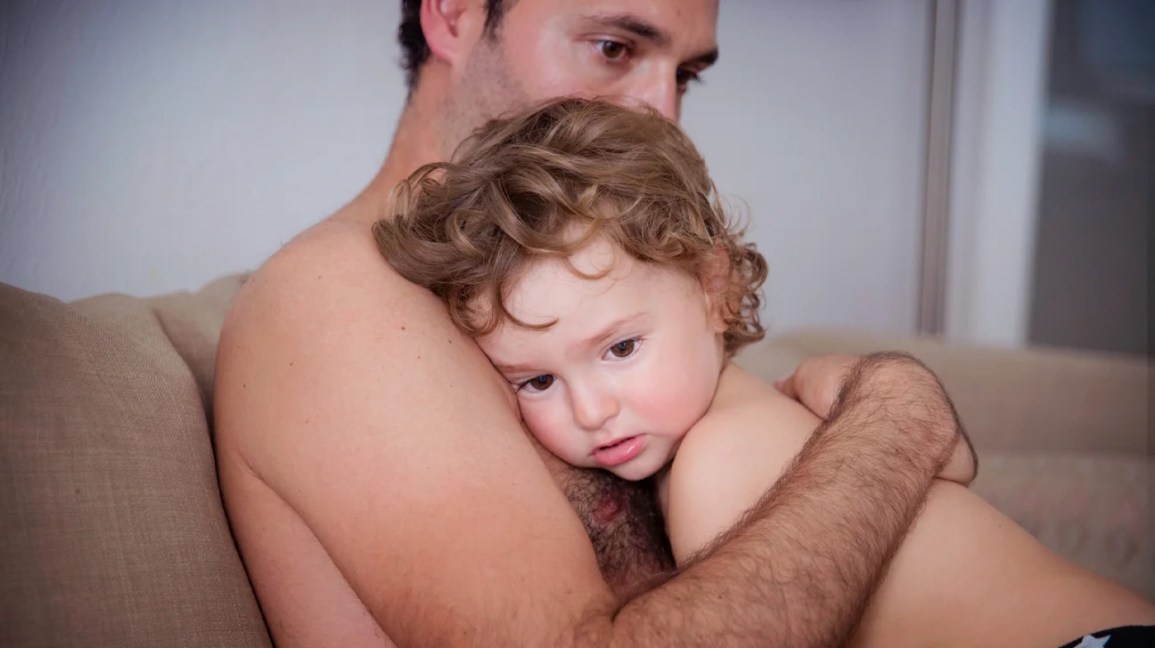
(629, 366)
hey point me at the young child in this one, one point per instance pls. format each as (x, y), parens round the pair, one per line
(584, 248)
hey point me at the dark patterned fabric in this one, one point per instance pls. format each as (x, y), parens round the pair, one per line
(1123, 637)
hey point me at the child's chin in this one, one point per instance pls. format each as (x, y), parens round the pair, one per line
(633, 473)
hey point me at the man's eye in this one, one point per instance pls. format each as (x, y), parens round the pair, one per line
(686, 77)
(538, 383)
(624, 349)
(613, 50)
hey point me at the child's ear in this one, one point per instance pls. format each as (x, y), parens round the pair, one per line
(451, 27)
(715, 276)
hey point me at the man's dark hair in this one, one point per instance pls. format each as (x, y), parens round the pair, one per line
(414, 49)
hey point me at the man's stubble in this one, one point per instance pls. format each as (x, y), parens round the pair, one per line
(487, 91)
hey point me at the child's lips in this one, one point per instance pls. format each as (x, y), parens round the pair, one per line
(619, 452)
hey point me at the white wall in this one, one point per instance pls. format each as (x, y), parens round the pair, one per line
(995, 168)
(815, 117)
(151, 146)
(148, 147)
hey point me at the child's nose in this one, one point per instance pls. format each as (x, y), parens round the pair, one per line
(593, 405)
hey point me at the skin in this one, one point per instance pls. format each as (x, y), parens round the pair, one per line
(373, 465)
(627, 356)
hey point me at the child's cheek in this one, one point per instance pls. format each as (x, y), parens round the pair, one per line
(547, 425)
(682, 399)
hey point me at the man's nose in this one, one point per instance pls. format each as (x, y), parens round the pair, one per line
(659, 93)
(593, 405)
(666, 100)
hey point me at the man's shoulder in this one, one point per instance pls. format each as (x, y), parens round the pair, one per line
(337, 250)
(326, 336)
(330, 273)
(325, 311)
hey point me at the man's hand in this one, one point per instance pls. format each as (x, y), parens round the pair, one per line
(818, 382)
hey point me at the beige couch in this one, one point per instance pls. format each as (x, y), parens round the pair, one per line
(113, 533)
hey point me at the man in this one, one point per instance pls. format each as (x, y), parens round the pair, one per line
(376, 475)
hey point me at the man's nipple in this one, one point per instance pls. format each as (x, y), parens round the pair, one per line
(607, 508)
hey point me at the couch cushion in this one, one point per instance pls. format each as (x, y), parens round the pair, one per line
(114, 533)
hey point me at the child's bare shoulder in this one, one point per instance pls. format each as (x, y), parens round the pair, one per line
(731, 457)
(748, 413)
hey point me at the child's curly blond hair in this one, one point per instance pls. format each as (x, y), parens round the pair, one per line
(546, 182)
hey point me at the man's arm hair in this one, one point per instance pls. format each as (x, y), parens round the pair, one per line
(801, 567)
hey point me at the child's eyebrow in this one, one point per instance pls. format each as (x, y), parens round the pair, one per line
(609, 331)
(595, 341)
(507, 369)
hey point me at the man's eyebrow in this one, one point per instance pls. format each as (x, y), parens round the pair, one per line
(650, 32)
(634, 25)
(705, 59)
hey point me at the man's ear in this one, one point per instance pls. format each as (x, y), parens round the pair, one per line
(451, 27)
(716, 277)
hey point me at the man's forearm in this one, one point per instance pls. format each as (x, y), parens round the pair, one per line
(801, 567)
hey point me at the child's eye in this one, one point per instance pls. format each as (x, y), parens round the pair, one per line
(537, 383)
(625, 348)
